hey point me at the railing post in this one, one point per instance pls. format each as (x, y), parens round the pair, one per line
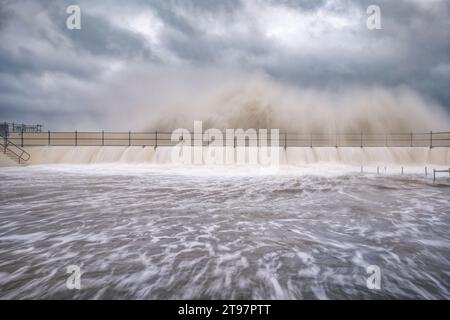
(129, 138)
(310, 140)
(336, 140)
(411, 139)
(21, 138)
(235, 141)
(156, 139)
(386, 142)
(285, 141)
(361, 139)
(431, 139)
(76, 138)
(48, 137)
(103, 138)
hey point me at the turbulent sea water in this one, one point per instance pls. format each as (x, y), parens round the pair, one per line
(162, 233)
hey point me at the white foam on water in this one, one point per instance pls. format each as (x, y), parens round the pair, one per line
(154, 231)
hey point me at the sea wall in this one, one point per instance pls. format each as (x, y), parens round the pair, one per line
(290, 156)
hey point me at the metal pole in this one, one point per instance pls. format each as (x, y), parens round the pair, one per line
(402, 170)
(21, 138)
(426, 172)
(411, 139)
(431, 139)
(434, 175)
(76, 138)
(378, 170)
(310, 140)
(129, 138)
(103, 138)
(361, 139)
(156, 139)
(285, 141)
(48, 137)
(386, 142)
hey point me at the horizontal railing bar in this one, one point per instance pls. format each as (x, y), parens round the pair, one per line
(285, 139)
(281, 132)
(152, 138)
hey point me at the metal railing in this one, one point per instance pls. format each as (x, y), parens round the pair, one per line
(8, 146)
(285, 139)
(19, 127)
(439, 171)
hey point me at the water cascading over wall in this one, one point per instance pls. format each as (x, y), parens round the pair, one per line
(291, 156)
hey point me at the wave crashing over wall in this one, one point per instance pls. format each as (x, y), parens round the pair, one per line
(259, 102)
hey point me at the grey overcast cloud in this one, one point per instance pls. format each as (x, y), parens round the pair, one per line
(128, 63)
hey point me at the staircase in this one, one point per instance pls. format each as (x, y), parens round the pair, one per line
(13, 151)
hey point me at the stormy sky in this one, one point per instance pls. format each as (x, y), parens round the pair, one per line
(131, 59)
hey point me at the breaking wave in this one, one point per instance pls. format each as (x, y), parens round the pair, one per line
(259, 102)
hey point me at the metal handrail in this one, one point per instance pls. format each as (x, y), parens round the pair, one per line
(286, 139)
(8, 143)
(21, 127)
(437, 171)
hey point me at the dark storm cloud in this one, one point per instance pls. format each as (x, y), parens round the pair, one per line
(49, 73)
(413, 41)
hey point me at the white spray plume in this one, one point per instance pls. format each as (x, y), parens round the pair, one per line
(166, 100)
(258, 103)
